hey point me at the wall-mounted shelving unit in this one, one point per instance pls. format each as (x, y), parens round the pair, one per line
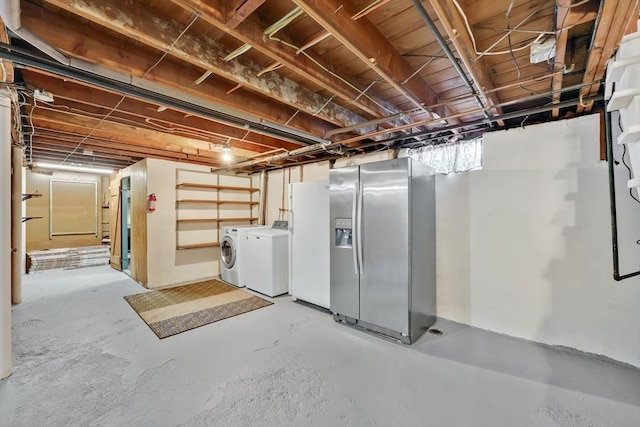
(199, 207)
(27, 196)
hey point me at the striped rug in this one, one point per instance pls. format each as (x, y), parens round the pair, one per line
(174, 310)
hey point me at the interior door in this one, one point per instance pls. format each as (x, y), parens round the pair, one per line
(384, 282)
(343, 270)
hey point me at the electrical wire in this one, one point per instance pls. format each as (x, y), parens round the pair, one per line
(168, 49)
(511, 50)
(488, 51)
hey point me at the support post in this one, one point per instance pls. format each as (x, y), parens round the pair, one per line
(5, 234)
(16, 226)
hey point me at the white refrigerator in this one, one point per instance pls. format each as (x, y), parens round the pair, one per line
(309, 242)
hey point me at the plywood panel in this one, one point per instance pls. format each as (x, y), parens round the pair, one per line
(74, 207)
(37, 230)
(139, 221)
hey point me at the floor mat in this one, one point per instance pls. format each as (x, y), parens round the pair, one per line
(175, 310)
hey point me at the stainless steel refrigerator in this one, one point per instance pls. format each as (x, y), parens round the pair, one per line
(382, 258)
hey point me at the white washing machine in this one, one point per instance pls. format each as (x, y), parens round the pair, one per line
(231, 252)
(267, 256)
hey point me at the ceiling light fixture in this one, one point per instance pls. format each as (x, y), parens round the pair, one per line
(55, 166)
(226, 153)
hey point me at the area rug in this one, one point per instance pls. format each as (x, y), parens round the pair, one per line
(172, 311)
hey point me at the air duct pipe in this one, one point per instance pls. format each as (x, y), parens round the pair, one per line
(445, 48)
(10, 14)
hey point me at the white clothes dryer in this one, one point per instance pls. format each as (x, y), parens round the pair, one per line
(267, 256)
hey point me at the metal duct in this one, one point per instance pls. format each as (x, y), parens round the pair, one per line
(10, 14)
(150, 91)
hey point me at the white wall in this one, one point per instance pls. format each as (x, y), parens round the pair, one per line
(524, 245)
(167, 265)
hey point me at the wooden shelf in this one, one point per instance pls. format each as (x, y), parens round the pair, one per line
(234, 202)
(214, 187)
(197, 220)
(198, 245)
(236, 219)
(196, 201)
(216, 202)
(187, 220)
(26, 196)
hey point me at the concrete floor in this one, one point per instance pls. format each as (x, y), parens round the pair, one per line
(83, 357)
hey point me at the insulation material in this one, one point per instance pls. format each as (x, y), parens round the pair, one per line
(67, 258)
(458, 156)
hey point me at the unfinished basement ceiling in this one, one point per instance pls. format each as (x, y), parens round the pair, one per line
(304, 80)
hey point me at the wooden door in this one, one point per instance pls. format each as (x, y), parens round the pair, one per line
(115, 200)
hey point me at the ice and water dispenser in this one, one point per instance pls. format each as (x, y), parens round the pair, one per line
(344, 233)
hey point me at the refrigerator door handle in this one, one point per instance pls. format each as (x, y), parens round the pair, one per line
(359, 226)
(354, 227)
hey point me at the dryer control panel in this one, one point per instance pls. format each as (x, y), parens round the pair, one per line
(280, 225)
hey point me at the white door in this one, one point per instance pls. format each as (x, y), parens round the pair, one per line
(309, 242)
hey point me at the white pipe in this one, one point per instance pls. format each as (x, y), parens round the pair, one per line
(10, 14)
(16, 226)
(5, 234)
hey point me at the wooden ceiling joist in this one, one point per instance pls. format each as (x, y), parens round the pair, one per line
(167, 35)
(476, 68)
(251, 32)
(616, 15)
(6, 67)
(111, 147)
(562, 15)
(90, 44)
(239, 10)
(79, 92)
(364, 40)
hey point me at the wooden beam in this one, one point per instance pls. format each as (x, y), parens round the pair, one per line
(240, 10)
(251, 32)
(562, 16)
(85, 97)
(113, 147)
(144, 25)
(46, 133)
(367, 42)
(616, 15)
(6, 67)
(88, 43)
(461, 40)
(100, 151)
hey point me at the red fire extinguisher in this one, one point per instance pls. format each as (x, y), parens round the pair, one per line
(152, 203)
